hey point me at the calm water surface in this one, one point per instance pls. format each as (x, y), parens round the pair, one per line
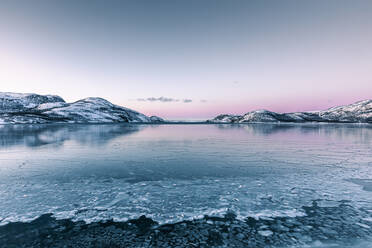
(176, 172)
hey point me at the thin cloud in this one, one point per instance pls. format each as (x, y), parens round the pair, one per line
(162, 99)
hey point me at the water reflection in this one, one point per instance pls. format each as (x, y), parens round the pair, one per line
(343, 131)
(98, 135)
(57, 134)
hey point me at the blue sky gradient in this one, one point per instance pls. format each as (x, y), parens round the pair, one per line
(220, 56)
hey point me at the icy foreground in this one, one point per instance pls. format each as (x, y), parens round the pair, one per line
(255, 186)
(313, 230)
(359, 112)
(16, 108)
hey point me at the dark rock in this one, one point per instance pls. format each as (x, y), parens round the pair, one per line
(230, 215)
(143, 223)
(214, 238)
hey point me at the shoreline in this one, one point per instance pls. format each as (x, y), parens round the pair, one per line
(341, 225)
(193, 123)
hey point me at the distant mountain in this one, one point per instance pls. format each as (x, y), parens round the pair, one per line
(16, 108)
(359, 112)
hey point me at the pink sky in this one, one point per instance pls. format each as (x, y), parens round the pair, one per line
(226, 58)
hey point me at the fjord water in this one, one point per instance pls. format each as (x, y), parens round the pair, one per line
(175, 172)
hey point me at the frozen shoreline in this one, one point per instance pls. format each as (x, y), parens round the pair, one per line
(341, 225)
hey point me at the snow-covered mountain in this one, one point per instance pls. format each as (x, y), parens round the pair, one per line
(33, 108)
(359, 112)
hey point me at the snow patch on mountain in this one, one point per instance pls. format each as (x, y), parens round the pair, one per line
(18, 102)
(359, 112)
(32, 108)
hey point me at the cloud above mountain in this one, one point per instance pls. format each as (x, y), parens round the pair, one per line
(163, 99)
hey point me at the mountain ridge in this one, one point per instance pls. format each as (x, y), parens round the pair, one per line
(22, 108)
(358, 112)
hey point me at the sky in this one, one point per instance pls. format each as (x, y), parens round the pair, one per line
(190, 59)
